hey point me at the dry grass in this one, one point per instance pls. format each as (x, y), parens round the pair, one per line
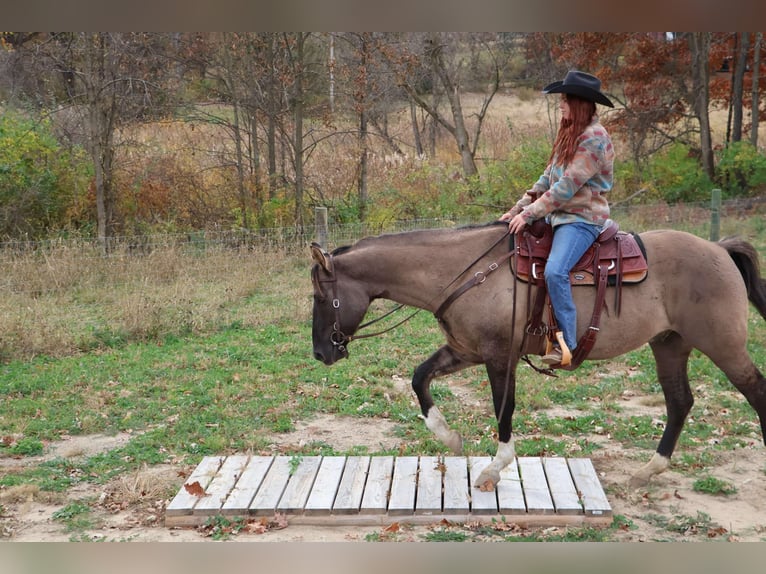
(67, 300)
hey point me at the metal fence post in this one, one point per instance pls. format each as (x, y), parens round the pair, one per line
(320, 224)
(715, 215)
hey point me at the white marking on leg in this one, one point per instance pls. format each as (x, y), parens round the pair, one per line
(490, 476)
(437, 424)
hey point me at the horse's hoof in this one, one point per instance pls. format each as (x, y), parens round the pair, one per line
(455, 444)
(635, 482)
(487, 480)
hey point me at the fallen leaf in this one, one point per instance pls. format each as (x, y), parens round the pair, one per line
(195, 489)
(487, 486)
(392, 528)
(678, 495)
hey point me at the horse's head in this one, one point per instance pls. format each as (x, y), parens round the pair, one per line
(340, 303)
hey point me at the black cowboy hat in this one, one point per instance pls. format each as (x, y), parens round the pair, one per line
(579, 84)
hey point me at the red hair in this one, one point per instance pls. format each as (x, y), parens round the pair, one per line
(581, 112)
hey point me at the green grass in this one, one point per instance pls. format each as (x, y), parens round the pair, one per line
(713, 485)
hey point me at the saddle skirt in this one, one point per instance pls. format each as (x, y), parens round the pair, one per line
(622, 254)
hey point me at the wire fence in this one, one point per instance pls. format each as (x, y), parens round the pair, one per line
(292, 239)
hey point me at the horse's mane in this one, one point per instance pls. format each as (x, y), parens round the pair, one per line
(413, 235)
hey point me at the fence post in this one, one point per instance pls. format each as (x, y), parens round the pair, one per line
(320, 225)
(715, 215)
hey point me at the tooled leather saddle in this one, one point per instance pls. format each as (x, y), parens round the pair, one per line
(615, 258)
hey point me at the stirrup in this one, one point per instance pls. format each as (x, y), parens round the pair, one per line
(566, 354)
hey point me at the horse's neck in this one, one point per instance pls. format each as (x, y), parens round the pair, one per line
(415, 273)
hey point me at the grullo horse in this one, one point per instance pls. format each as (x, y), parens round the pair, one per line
(695, 297)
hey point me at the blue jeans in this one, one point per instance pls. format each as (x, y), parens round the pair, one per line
(570, 241)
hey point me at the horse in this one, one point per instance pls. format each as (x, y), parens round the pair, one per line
(695, 296)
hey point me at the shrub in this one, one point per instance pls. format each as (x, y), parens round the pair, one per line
(678, 176)
(41, 183)
(742, 170)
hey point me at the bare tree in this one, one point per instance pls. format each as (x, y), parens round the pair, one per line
(699, 47)
(742, 43)
(756, 78)
(436, 59)
(107, 80)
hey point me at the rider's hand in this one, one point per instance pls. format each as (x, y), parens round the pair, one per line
(508, 215)
(517, 223)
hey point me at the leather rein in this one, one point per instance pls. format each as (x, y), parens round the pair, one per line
(340, 340)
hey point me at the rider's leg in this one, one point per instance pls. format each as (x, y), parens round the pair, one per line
(570, 242)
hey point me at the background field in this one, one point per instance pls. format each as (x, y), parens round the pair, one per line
(119, 373)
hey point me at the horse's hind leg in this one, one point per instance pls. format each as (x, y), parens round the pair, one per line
(671, 353)
(748, 380)
(442, 362)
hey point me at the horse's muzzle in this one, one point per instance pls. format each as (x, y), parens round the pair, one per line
(332, 356)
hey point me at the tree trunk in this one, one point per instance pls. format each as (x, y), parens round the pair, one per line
(756, 80)
(699, 46)
(298, 105)
(416, 129)
(101, 109)
(272, 111)
(244, 204)
(737, 86)
(361, 96)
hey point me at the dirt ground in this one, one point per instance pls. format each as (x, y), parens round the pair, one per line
(131, 508)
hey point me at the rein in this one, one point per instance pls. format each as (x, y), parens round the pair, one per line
(341, 340)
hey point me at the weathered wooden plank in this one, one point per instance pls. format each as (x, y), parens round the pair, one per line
(481, 502)
(510, 495)
(239, 499)
(375, 499)
(299, 486)
(403, 486)
(266, 499)
(351, 486)
(456, 496)
(561, 485)
(183, 502)
(535, 486)
(326, 485)
(586, 481)
(429, 496)
(221, 485)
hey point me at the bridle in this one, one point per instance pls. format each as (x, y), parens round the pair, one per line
(340, 340)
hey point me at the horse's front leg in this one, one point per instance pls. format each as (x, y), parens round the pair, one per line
(442, 362)
(502, 378)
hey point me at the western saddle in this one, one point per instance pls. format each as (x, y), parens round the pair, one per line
(615, 258)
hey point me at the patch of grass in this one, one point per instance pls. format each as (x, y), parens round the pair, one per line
(27, 447)
(713, 485)
(683, 524)
(75, 516)
(219, 527)
(445, 535)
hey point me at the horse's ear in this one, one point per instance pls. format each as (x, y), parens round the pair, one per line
(320, 256)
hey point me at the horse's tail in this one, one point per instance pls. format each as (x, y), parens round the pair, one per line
(746, 259)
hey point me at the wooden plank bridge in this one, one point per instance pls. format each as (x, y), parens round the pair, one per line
(379, 490)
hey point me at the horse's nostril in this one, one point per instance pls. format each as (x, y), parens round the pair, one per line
(318, 356)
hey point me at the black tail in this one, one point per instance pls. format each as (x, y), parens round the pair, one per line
(746, 259)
